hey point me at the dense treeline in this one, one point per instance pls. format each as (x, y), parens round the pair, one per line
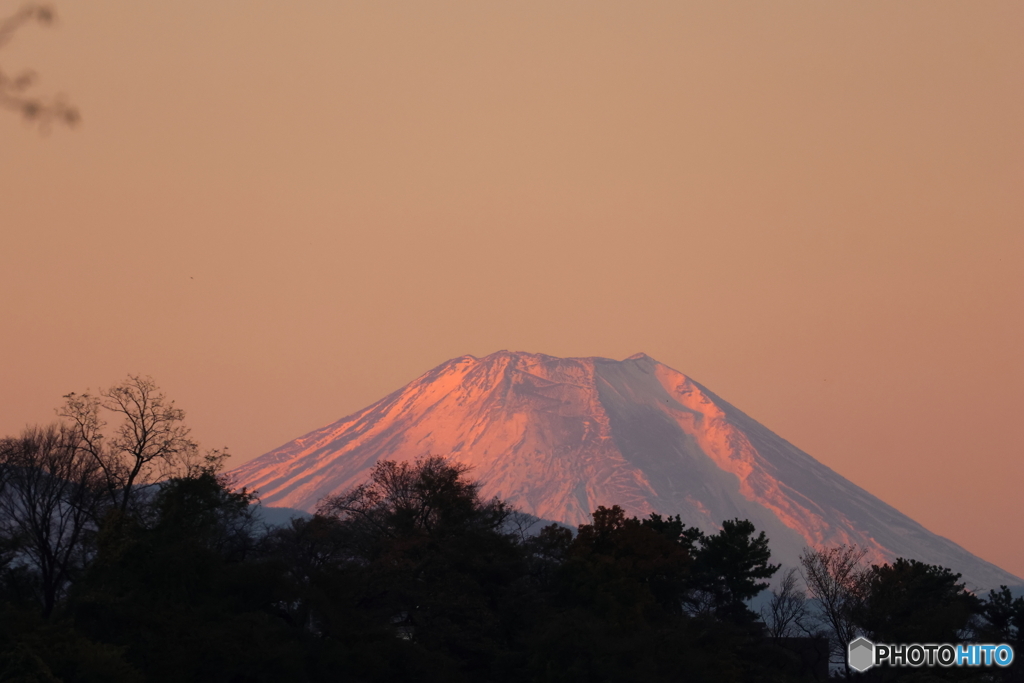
(106, 575)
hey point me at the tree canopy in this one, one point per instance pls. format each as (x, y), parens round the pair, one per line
(124, 556)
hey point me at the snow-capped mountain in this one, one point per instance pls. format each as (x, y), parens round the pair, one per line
(557, 437)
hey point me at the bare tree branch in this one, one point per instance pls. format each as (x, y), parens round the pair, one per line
(14, 89)
(786, 613)
(837, 578)
(150, 443)
(48, 505)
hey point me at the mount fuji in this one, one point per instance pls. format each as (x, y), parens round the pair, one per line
(557, 437)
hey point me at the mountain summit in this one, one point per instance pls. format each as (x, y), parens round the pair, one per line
(557, 437)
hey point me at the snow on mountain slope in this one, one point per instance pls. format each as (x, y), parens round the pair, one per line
(559, 436)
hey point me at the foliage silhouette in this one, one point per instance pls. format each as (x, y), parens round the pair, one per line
(412, 576)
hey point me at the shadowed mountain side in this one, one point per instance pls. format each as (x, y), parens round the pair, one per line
(888, 527)
(558, 437)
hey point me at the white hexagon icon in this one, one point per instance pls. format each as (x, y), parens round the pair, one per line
(861, 654)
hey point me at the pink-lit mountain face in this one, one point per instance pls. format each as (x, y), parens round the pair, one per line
(557, 437)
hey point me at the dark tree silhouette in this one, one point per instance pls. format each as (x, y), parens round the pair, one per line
(731, 567)
(428, 496)
(650, 599)
(411, 576)
(786, 615)
(431, 562)
(837, 579)
(913, 602)
(47, 506)
(178, 587)
(151, 443)
(1004, 623)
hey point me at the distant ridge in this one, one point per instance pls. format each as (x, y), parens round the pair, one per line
(559, 436)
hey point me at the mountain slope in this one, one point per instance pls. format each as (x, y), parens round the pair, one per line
(559, 436)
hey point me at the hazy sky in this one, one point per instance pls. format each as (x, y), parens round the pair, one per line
(283, 211)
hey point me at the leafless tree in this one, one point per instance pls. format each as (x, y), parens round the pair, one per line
(786, 613)
(15, 90)
(150, 443)
(47, 506)
(837, 578)
(8, 544)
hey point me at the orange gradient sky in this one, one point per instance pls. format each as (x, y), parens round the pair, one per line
(283, 211)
